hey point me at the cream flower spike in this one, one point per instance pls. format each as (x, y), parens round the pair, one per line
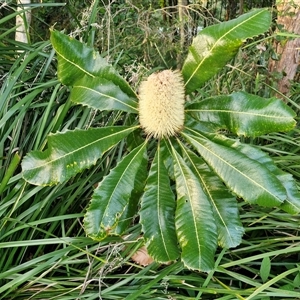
(161, 104)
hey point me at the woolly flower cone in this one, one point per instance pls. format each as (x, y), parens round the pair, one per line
(161, 104)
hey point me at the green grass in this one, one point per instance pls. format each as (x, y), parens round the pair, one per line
(44, 252)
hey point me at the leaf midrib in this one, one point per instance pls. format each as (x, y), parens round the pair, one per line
(78, 149)
(77, 66)
(216, 43)
(207, 191)
(121, 178)
(158, 203)
(234, 168)
(190, 203)
(105, 95)
(237, 112)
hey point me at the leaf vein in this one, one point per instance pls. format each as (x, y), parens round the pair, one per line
(234, 168)
(77, 149)
(207, 191)
(158, 205)
(105, 95)
(77, 66)
(237, 112)
(191, 206)
(216, 43)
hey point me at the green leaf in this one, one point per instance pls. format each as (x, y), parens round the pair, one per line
(244, 114)
(265, 268)
(166, 153)
(199, 125)
(76, 60)
(69, 153)
(131, 209)
(245, 177)
(296, 281)
(225, 208)
(102, 94)
(292, 202)
(194, 219)
(157, 214)
(135, 138)
(112, 195)
(215, 45)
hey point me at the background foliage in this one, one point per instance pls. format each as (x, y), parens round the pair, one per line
(44, 253)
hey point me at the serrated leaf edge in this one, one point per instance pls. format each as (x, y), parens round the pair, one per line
(105, 95)
(217, 42)
(207, 191)
(189, 137)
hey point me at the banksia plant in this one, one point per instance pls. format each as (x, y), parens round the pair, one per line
(182, 174)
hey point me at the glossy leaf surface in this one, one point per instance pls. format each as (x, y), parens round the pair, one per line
(194, 220)
(69, 153)
(226, 214)
(215, 45)
(112, 195)
(102, 94)
(76, 61)
(244, 114)
(132, 207)
(292, 201)
(245, 177)
(157, 214)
